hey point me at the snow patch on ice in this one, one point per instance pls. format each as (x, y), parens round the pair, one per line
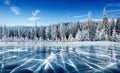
(84, 43)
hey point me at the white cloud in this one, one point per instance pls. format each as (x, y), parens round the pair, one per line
(79, 16)
(34, 16)
(15, 10)
(96, 19)
(7, 2)
(113, 4)
(115, 10)
(36, 12)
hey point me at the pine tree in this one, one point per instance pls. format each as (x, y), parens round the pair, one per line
(41, 33)
(32, 34)
(97, 33)
(114, 36)
(89, 17)
(70, 39)
(35, 32)
(54, 33)
(47, 32)
(19, 30)
(79, 36)
(102, 36)
(62, 31)
(118, 25)
(85, 35)
(91, 26)
(1, 32)
(105, 23)
(111, 27)
(5, 33)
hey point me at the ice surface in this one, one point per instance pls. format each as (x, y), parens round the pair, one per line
(60, 57)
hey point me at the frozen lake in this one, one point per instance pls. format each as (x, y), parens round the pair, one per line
(75, 57)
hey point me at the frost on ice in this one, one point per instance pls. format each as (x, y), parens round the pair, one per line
(97, 57)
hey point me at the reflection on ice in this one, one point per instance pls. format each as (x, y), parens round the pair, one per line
(60, 59)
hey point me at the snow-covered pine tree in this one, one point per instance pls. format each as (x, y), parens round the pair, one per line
(119, 38)
(54, 33)
(40, 39)
(5, 33)
(91, 26)
(112, 22)
(85, 35)
(47, 32)
(114, 36)
(32, 33)
(74, 29)
(41, 33)
(78, 36)
(118, 25)
(20, 32)
(1, 35)
(70, 39)
(105, 22)
(111, 28)
(11, 33)
(89, 19)
(97, 32)
(26, 39)
(70, 29)
(102, 36)
(35, 32)
(62, 31)
(26, 33)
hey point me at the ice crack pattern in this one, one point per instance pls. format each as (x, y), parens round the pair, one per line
(60, 59)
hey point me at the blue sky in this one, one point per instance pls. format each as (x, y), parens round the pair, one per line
(45, 12)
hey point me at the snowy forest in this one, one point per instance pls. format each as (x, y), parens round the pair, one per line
(89, 30)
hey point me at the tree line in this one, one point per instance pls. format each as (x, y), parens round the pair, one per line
(88, 30)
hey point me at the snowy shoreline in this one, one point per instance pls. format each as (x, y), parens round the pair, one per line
(97, 43)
